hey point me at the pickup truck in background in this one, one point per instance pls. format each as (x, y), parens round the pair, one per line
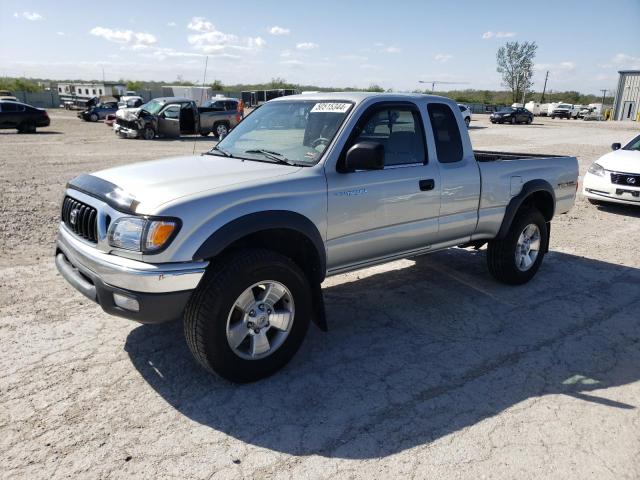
(237, 241)
(565, 110)
(172, 117)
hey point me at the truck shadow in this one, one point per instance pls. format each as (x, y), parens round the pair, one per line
(417, 353)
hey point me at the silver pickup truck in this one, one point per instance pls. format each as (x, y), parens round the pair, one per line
(237, 241)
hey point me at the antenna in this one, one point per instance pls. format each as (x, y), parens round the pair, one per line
(441, 82)
(204, 78)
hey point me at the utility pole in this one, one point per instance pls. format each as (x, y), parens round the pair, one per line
(544, 89)
(604, 94)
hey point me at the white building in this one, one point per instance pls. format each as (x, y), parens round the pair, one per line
(84, 91)
(627, 103)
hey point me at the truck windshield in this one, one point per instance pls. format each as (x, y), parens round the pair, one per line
(298, 131)
(153, 107)
(564, 105)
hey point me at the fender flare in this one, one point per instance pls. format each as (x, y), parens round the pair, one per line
(516, 202)
(256, 222)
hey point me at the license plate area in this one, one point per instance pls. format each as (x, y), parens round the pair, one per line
(622, 191)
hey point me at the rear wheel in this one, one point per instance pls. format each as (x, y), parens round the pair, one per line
(516, 258)
(249, 315)
(529, 120)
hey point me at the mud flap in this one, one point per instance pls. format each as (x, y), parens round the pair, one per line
(319, 313)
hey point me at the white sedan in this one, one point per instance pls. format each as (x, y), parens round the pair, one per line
(615, 177)
(466, 113)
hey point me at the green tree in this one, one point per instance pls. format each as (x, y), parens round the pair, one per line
(134, 85)
(515, 64)
(374, 88)
(217, 85)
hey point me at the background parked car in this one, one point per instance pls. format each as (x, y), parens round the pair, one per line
(130, 101)
(22, 117)
(98, 112)
(512, 115)
(466, 113)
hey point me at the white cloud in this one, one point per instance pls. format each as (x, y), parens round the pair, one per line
(60, 33)
(354, 58)
(443, 57)
(276, 30)
(285, 53)
(626, 61)
(490, 34)
(368, 66)
(292, 61)
(391, 50)
(211, 41)
(307, 46)
(171, 24)
(138, 40)
(33, 16)
(565, 67)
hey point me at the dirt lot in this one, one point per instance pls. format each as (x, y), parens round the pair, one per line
(430, 368)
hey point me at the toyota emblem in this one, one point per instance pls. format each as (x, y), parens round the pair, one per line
(631, 180)
(73, 216)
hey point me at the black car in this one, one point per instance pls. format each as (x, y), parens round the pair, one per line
(22, 117)
(98, 112)
(512, 115)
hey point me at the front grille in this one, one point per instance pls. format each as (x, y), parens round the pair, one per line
(80, 218)
(628, 179)
(130, 124)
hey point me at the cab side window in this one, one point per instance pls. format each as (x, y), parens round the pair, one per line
(399, 130)
(445, 133)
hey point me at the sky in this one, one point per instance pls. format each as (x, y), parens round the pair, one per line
(582, 43)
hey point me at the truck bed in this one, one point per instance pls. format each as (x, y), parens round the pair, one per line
(491, 156)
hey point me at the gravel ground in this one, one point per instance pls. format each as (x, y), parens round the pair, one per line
(430, 368)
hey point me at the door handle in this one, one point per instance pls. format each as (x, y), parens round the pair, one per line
(428, 184)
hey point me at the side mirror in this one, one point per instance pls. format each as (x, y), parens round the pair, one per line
(364, 156)
(616, 146)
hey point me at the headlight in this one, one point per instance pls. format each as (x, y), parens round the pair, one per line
(596, 169)
(142, 234)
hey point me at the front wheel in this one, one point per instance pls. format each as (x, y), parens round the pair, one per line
(529, 120)
(94, 117)
(221, 130)
(148, 133)
(249, 315)
(467, 121)
(515, 259)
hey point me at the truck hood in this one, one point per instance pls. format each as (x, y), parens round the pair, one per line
(158, 182)
(127, 113)
(625, 161)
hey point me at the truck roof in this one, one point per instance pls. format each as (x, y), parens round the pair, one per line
(358, 97)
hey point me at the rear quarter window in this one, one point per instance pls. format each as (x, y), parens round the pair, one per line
(445, 133)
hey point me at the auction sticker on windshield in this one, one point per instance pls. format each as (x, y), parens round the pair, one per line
(327, 107)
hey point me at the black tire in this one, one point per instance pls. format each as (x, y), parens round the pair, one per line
(94, 117)
(529, 121)
(513, 120)
(501, 254)
(552, 117)
(205, 134)
(467, 121)
(148, 133)
(220, 129)
(205, 316)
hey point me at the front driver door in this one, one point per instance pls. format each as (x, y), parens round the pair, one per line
(169, 122)
(376, 214)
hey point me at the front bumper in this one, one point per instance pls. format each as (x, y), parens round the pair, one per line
(601, 188)
(125, 132)
(161, 291)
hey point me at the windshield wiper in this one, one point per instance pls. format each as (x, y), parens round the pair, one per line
(221, 150)
(278, 157)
